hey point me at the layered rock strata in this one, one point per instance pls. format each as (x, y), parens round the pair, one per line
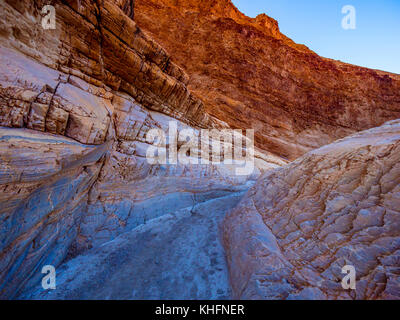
(252, 76)
(44, 183)
(76, 104)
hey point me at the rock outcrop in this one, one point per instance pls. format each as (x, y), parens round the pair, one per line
(44, 183)
(302, 223)
(76, 104)
(92, 45)
(252, 76)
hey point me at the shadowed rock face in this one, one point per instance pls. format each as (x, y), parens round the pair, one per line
(177, 256)
(300, 224)
(44, 183)
(252, 76)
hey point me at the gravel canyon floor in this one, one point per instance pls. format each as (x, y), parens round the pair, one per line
(78, 190)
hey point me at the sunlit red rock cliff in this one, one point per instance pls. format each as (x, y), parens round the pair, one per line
(77, 191)
(250, 75)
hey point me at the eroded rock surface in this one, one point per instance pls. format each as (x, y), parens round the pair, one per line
(177, 256)
(44, 183)
(300, 224)
(252, 76)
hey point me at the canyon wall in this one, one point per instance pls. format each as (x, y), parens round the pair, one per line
(76, 103)
(252, 76)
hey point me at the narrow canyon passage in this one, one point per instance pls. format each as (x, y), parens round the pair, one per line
(121, 150)
(176, 256)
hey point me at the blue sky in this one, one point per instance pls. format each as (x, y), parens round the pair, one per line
(375, 43)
